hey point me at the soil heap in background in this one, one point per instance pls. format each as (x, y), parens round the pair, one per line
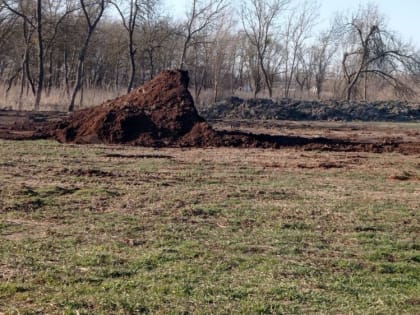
(290, 109)
(159, 113)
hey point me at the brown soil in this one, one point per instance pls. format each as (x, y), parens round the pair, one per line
(27, 125)
(159, 113)
(162, 113)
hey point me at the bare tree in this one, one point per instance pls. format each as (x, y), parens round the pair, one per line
(259, 18)
(157, 41)
(136, 10)
(305, 69)
(201, 16)
(323, 52)
(56, 13)
(254, 68)
(220, 55)
(27, 31)
(298, 29)
(199, 65)
(373, 50)
(33, 18)
(7, 22)
(40, 54)
(93, 11)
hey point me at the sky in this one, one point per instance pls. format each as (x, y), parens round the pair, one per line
(402, 15)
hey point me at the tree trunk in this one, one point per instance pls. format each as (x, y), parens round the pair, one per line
(318, 90)
(22, 83)
(365, 86)
(40, 56)
(50, 75)
(184, 54)
(23, 76)
(80, 74)
(215, 90)
(66, 73)
(266, 77)
(351, 85)
(352, 82)
(290, 78)
(348, 92)
(133, 66)
(151, 62)
(83, 51)
(117, 75)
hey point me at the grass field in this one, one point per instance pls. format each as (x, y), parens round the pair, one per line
(124, 230)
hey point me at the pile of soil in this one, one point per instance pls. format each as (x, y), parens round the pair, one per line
(159, 113)
(333, 110)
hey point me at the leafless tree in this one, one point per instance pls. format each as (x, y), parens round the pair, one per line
(130, 16)
(93, 11)
(201, 16)
(305, 69)
(259, 18)
(297, 30)
(40, 53)
(241, 60)
(6, 22)
(9, 69)
(323, 51)
(254, 68)
(157, 40)
(373, 50)
(199, 65)
(33, 18)
(222, 47)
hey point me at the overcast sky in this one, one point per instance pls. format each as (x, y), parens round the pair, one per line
(403, 15)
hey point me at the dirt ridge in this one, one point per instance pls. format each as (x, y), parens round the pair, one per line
(291, 109)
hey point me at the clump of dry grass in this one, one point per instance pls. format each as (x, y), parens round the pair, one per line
(55, 100)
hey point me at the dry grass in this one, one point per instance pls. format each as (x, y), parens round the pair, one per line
(56, 100)
(125, 230)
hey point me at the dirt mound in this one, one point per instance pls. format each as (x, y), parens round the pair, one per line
(289, 109)
(159, 113)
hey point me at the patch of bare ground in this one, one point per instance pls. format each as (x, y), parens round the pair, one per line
(24, 125)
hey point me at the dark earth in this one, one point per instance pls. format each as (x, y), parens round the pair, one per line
(162, 113)
(298, 110)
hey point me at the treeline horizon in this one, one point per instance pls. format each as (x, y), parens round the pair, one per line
(261, 49)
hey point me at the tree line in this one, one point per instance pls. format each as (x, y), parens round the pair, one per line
(262, 47)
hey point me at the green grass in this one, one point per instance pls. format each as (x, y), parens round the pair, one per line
(84, 230)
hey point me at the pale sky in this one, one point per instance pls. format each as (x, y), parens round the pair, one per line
(403, 15)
